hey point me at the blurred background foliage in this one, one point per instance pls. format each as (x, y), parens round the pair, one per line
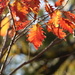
(58, 60)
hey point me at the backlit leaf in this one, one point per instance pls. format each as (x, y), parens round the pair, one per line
(56, 31)
(67, 25)
(55, 18)
(36, 35)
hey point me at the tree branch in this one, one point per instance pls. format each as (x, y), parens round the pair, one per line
(8, 51)
(55, 41)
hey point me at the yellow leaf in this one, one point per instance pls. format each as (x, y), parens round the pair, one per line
(4, 26)
(55, 17)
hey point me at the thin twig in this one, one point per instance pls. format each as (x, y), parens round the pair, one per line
(4, 44)
(8, 51)
(64, 5)
(54, 42)
(10, 11)
(25, 29)
(34, 58)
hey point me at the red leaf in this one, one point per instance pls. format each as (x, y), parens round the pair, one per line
(33, 5)
(3, 5)
(19, 10)
(20, 25)
(36, 35)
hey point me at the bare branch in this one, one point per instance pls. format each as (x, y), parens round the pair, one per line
(8, 51)
(55, 41)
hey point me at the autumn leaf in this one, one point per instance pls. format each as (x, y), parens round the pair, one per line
(55, 18)
(58, 3)
(20, 25)
(4, 26)
(69, 15)
(49, 8)
(33, 5)
(56, 31)
(19, 10)
(3, 5)
(36, 35)
(67, 25)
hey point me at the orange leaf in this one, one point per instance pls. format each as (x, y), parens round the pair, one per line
(57, 31)
(36, 35)
(67, 25)
(69, 15)
(58, 3)
(55, 17)
(4, 26)
(49, 8)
